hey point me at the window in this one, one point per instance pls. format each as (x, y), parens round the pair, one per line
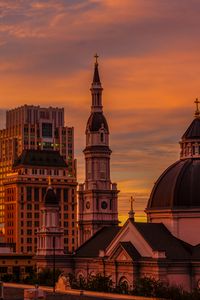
(29, 240)
(193, 150)
(36, 206)
(29, 223)
(29, 193)
(65, 195)
(29, 206)
(46, 129)
(29, 231)
(36, 223)
(110, 204)
(3, 269)
(29, 215)
(102, 136)
(29, 248)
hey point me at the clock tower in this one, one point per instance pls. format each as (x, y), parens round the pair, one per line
(98, 195)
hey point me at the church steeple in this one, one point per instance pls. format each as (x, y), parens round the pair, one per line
(98, 195)
(96, 88)
(96, 77)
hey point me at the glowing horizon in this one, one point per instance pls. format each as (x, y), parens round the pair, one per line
(149, 66)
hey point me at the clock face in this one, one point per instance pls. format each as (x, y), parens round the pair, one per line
(88, 204)
(104, 205)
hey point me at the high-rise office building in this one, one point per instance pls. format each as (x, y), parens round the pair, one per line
(34, 145)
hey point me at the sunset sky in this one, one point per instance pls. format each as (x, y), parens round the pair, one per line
(149, 65)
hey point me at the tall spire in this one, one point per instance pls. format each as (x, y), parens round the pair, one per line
(96, 88)
(96, 78)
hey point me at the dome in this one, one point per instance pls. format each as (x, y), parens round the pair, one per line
(193, 131)
(50, 197)
(95, 122)
(178, 187)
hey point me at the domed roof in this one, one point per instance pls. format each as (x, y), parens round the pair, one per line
(50, 197)
(178, 187)
(95, 122)
(193, 131)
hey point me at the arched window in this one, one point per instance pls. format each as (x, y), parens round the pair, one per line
(111, 204)
(102, 136)
(123, 285)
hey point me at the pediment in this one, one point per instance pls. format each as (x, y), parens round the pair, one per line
(129, 233)
(119, 254)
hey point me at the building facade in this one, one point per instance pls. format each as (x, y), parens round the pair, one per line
(98, 195)
(25, 189)
(167, 247)
(34, 146)
(34, 127)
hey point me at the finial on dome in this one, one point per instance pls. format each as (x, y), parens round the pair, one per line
(197, 112)
(131, 212)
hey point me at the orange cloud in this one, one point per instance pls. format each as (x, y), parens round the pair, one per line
(149, 64)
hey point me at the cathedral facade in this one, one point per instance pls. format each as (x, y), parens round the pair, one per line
(167, 247)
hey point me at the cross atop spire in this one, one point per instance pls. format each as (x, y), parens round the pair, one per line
(131, 201)
(131, 212)
(197, 112)
(96, 56)
(96, 77)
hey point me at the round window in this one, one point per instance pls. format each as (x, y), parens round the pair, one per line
(104, 205)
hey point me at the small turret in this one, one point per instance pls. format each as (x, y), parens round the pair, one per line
(131, 212)
(190, 141)
(50, 197)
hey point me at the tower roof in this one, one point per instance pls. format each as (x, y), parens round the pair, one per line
(96, 77)
(178, 187)
(50, 197)
(44, 158)
(96, 121)
(193, 131)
